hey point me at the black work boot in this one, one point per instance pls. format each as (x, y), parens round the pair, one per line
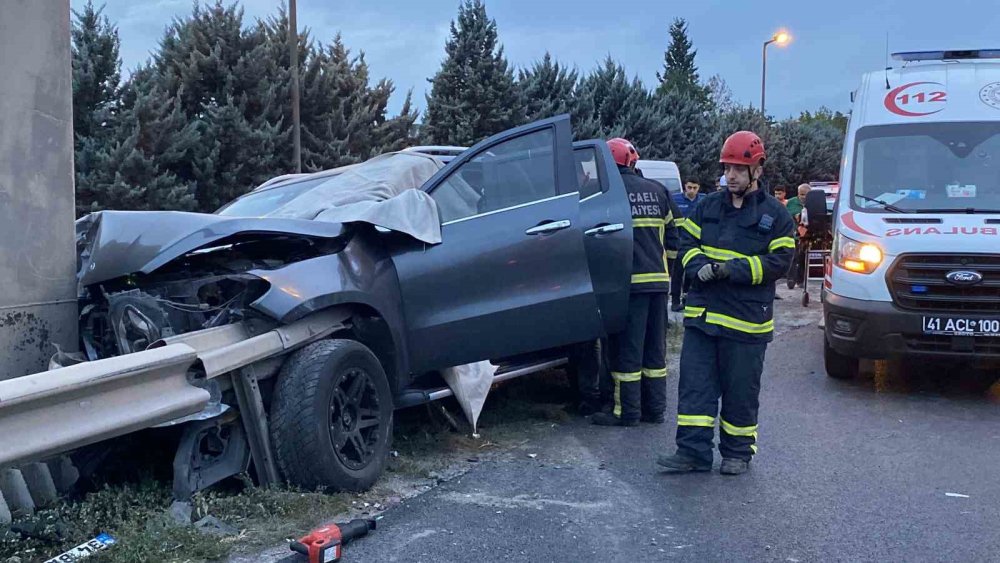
(588, 407)
(608, 419)
(731, 466)
(677, 307)
(649, 419)
(680, 463)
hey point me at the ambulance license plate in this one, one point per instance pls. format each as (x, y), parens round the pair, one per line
(952, 326)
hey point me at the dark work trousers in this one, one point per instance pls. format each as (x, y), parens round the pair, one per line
(606, 384)
(586, 366)
(712, 367)
(678, 284)
(798, 268)
(638, 360)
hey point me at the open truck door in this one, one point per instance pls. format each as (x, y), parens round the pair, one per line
(511, 274)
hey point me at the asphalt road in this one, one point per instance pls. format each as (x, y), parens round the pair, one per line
(865, 470)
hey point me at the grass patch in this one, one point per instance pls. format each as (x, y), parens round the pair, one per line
(134, 510)
(135, 515)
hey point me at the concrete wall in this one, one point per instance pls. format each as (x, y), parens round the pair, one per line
(37, 256)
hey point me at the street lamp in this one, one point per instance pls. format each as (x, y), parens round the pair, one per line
(781, 38)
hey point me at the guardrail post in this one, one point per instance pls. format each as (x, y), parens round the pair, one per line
(254, 419)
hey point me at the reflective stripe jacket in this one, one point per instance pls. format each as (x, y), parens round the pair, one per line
(652, 226)
(756, 243)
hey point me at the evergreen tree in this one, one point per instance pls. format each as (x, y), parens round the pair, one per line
(825, 115)
(96, 70)
(679, 71)
(134, 169)
(473, 95)
(96, 76)
(222, 80)
(720, 96)
(547, 89)
(398, 132)
(606, 96)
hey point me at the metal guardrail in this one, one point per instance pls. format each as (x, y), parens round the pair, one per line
(46, 413)
(55, 411)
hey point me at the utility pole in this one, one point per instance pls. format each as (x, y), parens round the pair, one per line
(293, 54)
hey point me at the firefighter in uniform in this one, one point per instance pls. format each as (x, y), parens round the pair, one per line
(734, 245)
(638, 354)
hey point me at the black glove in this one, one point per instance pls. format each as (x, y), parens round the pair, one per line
(721, 270)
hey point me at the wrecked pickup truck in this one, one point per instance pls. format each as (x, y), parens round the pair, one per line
(292, 322)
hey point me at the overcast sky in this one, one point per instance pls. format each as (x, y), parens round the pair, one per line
(834, 42)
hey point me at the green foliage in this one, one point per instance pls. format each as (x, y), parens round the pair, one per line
(680, 75)
(209, 117)
(474, 94)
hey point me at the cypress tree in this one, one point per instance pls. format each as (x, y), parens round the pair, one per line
(473, 95)
(547, 89)
(679, 71)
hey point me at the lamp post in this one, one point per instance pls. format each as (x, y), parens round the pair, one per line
(781, 38)
(293, 60)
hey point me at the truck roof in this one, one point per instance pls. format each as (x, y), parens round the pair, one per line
(930, 90)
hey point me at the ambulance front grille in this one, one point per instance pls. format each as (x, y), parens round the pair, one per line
(919, 282)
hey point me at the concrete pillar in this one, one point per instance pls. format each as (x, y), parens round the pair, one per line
(15, 490)
(37, 254)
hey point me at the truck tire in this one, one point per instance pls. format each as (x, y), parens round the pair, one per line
(331, 417)
(839, 366)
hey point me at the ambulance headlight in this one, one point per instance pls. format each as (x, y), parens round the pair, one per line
(854, 256)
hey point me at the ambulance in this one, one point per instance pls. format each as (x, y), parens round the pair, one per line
(915, 267)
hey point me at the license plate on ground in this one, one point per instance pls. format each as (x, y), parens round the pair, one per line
(952, 326)
(100, 543)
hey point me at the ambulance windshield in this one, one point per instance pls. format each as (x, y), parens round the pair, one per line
(928, 168)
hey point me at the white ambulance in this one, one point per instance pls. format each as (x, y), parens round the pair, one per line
(915, 269)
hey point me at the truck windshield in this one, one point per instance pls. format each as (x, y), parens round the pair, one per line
(928, 168)
(259, 204)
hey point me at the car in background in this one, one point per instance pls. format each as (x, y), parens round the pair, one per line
(662, 171)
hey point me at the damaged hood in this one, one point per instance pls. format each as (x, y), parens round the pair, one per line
(111, 244)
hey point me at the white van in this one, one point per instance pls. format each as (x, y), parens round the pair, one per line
(663, 171)
(915, 269)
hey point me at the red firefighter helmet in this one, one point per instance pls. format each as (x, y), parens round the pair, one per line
(743, 147)
(623, 151)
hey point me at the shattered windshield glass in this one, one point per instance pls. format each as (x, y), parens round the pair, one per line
(931, 167)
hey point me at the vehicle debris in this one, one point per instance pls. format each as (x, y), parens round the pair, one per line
(100, 543)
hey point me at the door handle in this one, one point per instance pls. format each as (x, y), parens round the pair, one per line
(546, 228)
(605, 229)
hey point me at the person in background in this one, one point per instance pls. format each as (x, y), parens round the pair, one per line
(796, 204)
(795, 207)
(779, 194)
(685, 203)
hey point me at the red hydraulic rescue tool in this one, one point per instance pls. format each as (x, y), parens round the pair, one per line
(325, 544)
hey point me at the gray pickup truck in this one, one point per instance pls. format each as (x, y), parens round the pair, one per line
(534, 259)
